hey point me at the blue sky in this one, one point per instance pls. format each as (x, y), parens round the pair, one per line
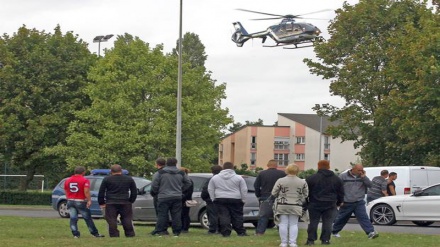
(261, 82)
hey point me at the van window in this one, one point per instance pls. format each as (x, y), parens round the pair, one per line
(433, 177)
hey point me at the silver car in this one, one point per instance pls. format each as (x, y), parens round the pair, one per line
(143, 208)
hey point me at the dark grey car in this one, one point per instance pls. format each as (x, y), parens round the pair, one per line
(143, 208)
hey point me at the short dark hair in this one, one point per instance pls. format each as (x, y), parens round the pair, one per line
(79, 170)
(384, 172)
(171, 162)
(160, 162)
(393, 174)
(116, 168)
(228, 165)
(215, 169)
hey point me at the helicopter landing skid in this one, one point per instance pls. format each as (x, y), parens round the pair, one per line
(297, 47)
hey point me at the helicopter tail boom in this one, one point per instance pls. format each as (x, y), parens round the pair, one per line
(240, 36)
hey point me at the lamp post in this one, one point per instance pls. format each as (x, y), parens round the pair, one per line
(101, 38)
(320, 137)
(179, 95)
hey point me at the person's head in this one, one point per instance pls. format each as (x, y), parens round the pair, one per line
(186, 170)
(116, 169)
(80, 170)
(292, 169)
(228, 165)
(357, 169)
(272, 164)
(216, 169)
(171, 162)
(323, 164)
(160, 163)
(384, 173)
(392, 176)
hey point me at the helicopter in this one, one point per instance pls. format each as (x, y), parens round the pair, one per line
(287, 32)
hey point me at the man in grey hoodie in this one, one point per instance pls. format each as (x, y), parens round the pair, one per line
(228, 192)
(168, 184)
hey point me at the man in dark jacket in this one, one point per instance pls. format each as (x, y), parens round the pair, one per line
(263, 188)
(116, 194)
(326, 193)
(169, 184)
(210, 207)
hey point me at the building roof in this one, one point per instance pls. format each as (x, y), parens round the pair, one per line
(312, 121)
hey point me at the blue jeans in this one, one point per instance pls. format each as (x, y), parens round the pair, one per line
(75, 208)
(359, 210)
(174, 208)
(265, 213)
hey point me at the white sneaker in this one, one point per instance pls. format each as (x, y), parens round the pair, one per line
(336, 235)
(283, 245)
(373, 234)
(293, 245)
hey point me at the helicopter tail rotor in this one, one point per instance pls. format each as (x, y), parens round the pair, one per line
(240, 36)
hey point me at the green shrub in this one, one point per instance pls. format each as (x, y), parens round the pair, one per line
(25, 198)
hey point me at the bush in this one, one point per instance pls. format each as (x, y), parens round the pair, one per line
(25, 198)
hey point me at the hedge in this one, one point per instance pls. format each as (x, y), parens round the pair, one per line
(25, 198)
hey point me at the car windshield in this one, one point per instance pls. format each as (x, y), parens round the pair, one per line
(250, 183)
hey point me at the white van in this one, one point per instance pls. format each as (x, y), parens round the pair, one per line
(409, 178)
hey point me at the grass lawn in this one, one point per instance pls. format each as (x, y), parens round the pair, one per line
(25, 231)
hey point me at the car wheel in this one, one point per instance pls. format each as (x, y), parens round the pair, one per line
(203, 219)
(62, 209)
(423, 223)
(383, 214)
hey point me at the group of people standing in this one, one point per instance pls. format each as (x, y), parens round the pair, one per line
(321, 196)
(283, 196)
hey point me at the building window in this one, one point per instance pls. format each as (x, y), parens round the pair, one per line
(281, 145)
(253, 142)
(283, 159)
(327, 156)
(300, 156)
(326, 142)
(300, 140)
(253, 159)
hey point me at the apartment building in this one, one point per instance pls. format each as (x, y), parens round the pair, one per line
(298, 138)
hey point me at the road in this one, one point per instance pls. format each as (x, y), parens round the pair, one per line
(399, 227)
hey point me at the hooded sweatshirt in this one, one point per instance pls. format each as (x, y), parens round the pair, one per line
(169, 183)
(227, 184)
(325, 186)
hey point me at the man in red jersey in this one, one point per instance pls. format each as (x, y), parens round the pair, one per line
(77, 189)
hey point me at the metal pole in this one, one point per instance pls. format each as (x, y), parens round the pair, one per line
(320, 138)
(99, 48)
(179, 96)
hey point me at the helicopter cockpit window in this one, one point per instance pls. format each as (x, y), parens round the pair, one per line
(289, 26)
(296, 27)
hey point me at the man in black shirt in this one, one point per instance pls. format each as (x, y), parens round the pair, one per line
(263, 189)
(116, 194)
(326, 193)
(210, 207)
(391, 187)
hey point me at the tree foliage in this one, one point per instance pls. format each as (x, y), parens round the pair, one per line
(132, 119)
(236, 126)
(383, 59)
(40, 88)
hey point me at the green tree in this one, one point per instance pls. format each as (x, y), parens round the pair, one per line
(193, 50)
(236, 126)
(40, 87)
(132, 120)
(366, 60)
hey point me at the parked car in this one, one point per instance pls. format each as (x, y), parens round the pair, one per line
(421, 207)
(59, 201)
(143, 208)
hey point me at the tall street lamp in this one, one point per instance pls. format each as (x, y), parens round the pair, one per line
(101, 38)
(179, 96)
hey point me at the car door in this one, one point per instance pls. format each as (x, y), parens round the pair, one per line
(423, 206)
(95, 183)
(143, 207)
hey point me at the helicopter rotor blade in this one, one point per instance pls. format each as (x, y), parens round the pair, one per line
(319, 11)
(269, 18)
(256, 12)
